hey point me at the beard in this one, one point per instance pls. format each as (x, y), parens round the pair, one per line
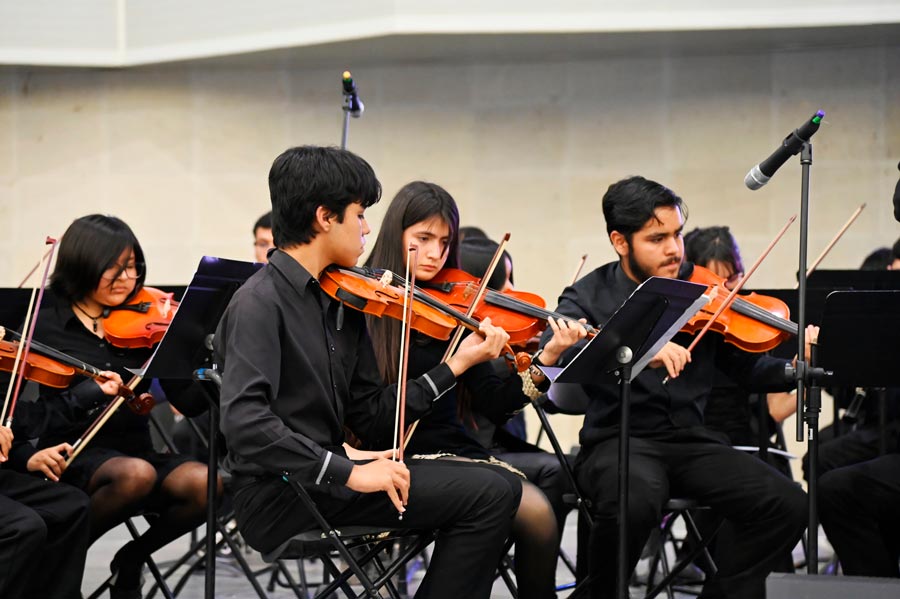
(636, 269)
(639, 272)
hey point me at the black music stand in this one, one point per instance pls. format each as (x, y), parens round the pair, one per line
(13, 305)
(648, 319)
(184, 349)
(857, 347)
(883, 280)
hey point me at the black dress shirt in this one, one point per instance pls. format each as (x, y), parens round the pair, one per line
(441, 430)
(292, 380)
(673, 410)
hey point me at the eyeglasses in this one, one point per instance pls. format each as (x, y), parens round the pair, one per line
(131, 271)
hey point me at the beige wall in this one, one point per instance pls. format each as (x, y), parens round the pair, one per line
(181, 152)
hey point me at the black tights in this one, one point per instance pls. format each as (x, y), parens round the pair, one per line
(536, 538)
(537, 544)
(121, 485)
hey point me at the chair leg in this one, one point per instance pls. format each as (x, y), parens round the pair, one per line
(151, 565)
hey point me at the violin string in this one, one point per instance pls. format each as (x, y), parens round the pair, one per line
(56, 354)
(733, 294)
(513, 303)
(748, 308)
(422, 296)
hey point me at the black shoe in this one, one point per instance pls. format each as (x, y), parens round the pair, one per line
(124, 589)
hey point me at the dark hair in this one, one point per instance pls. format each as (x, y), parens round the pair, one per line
(896, 250)
(89, 246)
(880, 259)
(471, 233)
(414, 203)
(263, 222)
(628, 204)
(475, 255)
(702, 246)
(302, 179)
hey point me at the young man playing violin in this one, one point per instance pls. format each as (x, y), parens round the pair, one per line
(671, 453)
(298, 368)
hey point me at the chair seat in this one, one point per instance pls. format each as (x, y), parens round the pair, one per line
(677, 504)
(314, 542)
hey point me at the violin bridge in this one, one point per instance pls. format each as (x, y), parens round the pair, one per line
(386, 278)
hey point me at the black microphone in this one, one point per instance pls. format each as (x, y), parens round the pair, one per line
(760, 174)
(352, 103)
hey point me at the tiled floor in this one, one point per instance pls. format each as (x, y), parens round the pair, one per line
(231, 583)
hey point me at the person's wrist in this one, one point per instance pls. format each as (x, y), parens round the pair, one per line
(536, 363)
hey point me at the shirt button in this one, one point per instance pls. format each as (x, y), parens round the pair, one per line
(332, 348)
(108, 365)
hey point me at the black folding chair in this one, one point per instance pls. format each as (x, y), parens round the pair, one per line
(358, 547)
(573, 401)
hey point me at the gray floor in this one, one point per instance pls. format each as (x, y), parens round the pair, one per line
(231, 583)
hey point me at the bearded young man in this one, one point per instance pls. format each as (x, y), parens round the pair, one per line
(671, 453)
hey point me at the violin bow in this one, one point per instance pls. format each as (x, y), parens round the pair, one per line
(834, 240)
(34, 268)
(479, 294)
(105, 415)
(412, 261)
(578, 268)
(740, 283)
(403, 364)
(457, 336)
(31, 315)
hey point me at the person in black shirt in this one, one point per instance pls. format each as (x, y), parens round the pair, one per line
(44, 528)
(299, 367)
(728, 406)
(424, 215)
(671, 453)
(100, 266)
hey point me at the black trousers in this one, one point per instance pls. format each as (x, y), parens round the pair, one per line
(43, 537)
(471, 504)
(859, 507)
(767, 510)
(853, 447)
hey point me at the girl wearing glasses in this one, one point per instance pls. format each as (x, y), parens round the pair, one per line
(100, 266)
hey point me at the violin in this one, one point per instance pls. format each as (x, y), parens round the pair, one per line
(37, 367)
(142, 321)
(58, 371)
(523, 312)
(755, 323)
(457, 289)
(358, 289)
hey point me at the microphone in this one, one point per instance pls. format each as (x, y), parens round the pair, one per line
(352, 103)
(760, 174)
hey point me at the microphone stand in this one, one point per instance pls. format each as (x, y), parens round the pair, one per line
(807, 374)
(352, 106)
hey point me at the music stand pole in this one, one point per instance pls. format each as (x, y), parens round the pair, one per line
(624, 357)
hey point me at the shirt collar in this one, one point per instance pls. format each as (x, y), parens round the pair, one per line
(298, 277)
(622, 279)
